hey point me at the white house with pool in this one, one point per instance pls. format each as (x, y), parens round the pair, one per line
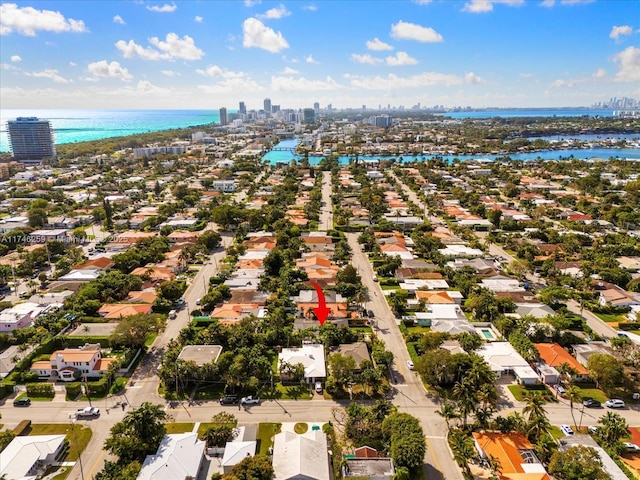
(503, 359)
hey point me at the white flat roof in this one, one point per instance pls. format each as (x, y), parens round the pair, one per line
(178, 456)
(23, 452)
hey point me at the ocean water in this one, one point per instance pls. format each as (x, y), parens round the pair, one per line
(71, 126)
(529, 112)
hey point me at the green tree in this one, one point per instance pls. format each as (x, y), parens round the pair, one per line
(537, 421)
(605, 370)
(341, 368)
(463, 451)
(257, 467)
(577, 463)
(614, 428)
(132, 331)
(221, 431)
(138, 434)
(118, 471)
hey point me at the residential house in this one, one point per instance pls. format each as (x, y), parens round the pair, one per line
(307, 300)
(301, 457)
(617, 297)
(553, 355)
(233, 313)
(517, 456)
(243, 445)
(504, 360)
(121, 310)
(72, 363)
(311, 356)
(154, 273)
(47, 235)
(200, 354)
(97, 263)
(366, 464)
(584, 351)
(20, 315)
(358, 351)
(179, 457)
(27, 457)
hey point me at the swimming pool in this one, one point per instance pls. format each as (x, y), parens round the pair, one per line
(488, 334)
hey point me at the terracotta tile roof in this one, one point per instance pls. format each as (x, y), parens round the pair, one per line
(506, 447)
(249, 264)
(434, 297)
(101, 263)
(554, 356)
(73, 355)
(117, 310)
(141, 296)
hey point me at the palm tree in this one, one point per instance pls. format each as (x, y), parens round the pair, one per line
(483, 416)
(463, 450)
(537, 421)
(614, 427)
(574, 394)
(464, 395)
(449, 412)
(494, 465)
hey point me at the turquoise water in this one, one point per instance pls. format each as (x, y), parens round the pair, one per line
(274, 157)
(71, 126)
(487, 334)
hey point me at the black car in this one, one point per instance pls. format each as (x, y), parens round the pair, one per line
(371, 314)
(591, 403)
(22, 402)
(229, 400)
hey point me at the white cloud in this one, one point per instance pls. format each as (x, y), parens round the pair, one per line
(118, 19)
(198, 19)
(551, 3)
(170, 73)
(288, 84)
(310, 59)
(173, 47)
(251, 3)
(473, 79)
(218, 72)
(16, 58)
(28, 20)
(274, 13)
(8, 66)
(616, 31)
(548, 3)
(399, 59)
(421, 2)
(412, 31)
(563, 83)
(368, 59)
(166, 8)
(73, 64)
(482, 6)
(527, 75)
(231, 85)
(104, 69)
(48, 73)
(378, 45)
(290, 71)
(256, 34)
(628, 62)
(395, 82)
(600, 73)
(311, 8)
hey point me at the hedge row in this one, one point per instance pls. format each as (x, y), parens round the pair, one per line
(22, 428)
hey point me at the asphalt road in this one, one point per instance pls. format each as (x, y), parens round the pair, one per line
(326, 210)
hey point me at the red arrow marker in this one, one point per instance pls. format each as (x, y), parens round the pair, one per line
(321, 311)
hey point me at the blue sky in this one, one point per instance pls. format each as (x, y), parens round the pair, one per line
(209, 54)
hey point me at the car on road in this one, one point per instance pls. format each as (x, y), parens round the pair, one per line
(375, 278)
(173, 314)
(198, 301)
(228, 400)
(560, 389)
(566, 429)
(410, 364)
(591, 403)
(250, 400)
(370, 314)
(614, 403)
(88, 412)
(631, 447)
(318, 387)
(22, 402)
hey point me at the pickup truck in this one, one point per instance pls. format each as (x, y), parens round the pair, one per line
(250, 400)
(88, 412)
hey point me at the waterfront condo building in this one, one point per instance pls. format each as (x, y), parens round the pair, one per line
(223, 116)
(31, 139)
(267, 107)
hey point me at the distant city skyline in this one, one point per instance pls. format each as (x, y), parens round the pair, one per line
(193, 55)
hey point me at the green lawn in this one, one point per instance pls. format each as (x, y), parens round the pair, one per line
(150, 339)
(290, 392)
(556, 432)
(418, 329)
(610, 317)
(266, 432)
(594, 393)
(519, 392)
(179, 427)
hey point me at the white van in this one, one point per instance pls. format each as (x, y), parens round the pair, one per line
(173, 314)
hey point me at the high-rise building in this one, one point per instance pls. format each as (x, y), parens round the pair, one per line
(267, 106)
(243, 109)
(31, 138)
(316, 108)
(223, 116)
(308, 115)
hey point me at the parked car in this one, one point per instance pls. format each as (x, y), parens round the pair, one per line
(370, 314)
(173, 314)
(318, 387)
(198, 301)
(591, 403)
(22, 402)
(566, 429)
(250, 400)
(592, 429)
(88, 412)
(375, 278)
(410, 364)
(614, 403)
(631, 447)
(229, 400)
(560, 389)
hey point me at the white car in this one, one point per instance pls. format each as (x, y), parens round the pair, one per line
(410, 364)
(631, 447)
(249, 400)
(614, 403)
(566, 429)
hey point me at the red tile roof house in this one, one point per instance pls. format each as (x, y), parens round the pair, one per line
(71, 364)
